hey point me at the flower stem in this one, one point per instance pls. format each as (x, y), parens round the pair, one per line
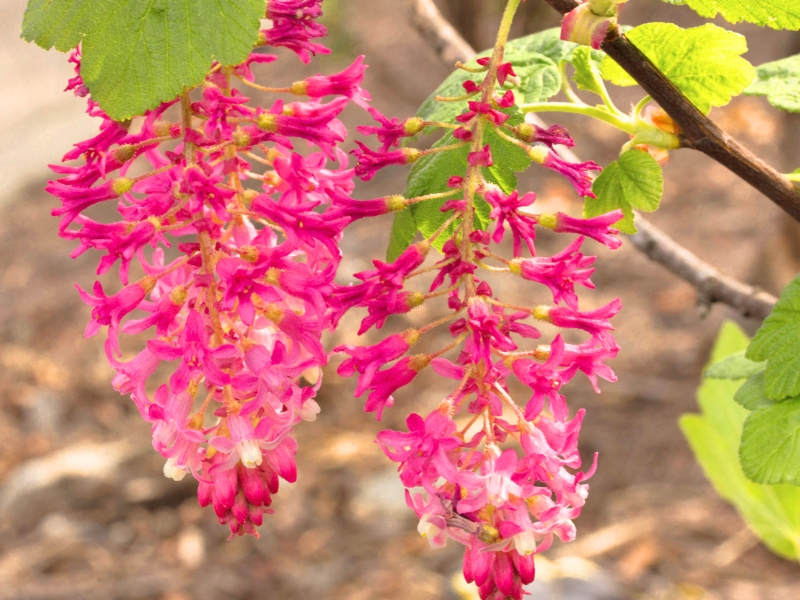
(596, 112)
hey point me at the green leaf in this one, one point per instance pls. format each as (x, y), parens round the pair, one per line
(778, 342)
(535, 58)
(539, 75)
(704, 62)
(633, 181)
(735, 366)
(137, 54)
(505, 178)
(772, 512)
(550, 44)
(404, 229)
(752, 395)
(770, 450)
(587, 72)
(59, 23)
(777, 14)
(779, 81)
(429, 175)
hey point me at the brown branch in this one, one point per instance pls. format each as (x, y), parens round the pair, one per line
(438, 33)
(712, 286)
(698, 131)
(654, 243)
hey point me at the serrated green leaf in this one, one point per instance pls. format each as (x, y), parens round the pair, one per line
(770, 449)
(429, 175)
(404, 229)
(504, 178)
(779, 81)
(633, 181)
(771, 511)
(137, 54)
(59, 24)
(704, 62)
(587, 72)
(778, 342)
(752, 395)
(735, 366)
(777, 14)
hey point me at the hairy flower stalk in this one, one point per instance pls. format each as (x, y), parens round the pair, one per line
(233, 237)
(501, 476)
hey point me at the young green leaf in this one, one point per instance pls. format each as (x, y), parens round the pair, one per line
(752, 395)
(704, 62)
(137, 54)
(735, 366)
(633, 181)
(779, 81)
(770, 511)
(587, 72)
(778, 342)
(770, 450)
(781, 14)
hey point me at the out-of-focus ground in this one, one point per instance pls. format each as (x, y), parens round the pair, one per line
(85, 512)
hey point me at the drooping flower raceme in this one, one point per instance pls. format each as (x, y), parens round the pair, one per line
(233, 238)
(505, 478)
(227, 249)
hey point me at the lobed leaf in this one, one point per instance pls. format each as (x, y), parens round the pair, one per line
(137, 54)
(777, 14)
(703, 62)
(752, 395)
(779, 81)
(778, 342)
(771, 511)
(633, 181)
(735, 366)
(770, 449)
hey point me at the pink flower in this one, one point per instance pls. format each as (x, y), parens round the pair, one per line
(545, 382)
(504, 70)
(197, 357)
(367, 360)
(391, 130)
(347, 83)
(110, 310)
(370, 162)
(594, 322)
(597, 228)
(481, 158)
(505, 209)
(385, 383)
(553, 135)
(559, 272)
(576, 173)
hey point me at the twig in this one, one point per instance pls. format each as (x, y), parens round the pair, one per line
(712, 286)
(654, 243)
(438, 33)
(698, 131)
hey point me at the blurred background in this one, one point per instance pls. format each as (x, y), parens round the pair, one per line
(85, 512)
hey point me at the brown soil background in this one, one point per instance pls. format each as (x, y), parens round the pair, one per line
(85, 512)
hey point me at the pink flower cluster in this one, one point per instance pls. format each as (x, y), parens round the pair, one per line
(233, 237)
(499, 476)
